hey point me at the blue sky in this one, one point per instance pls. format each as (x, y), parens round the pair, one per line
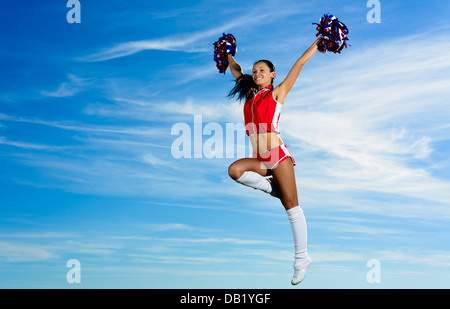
(88, 173)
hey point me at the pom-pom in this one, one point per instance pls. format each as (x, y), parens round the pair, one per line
(224, 46)
(333, 33)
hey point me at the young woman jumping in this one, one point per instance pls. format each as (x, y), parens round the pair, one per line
(271, 158)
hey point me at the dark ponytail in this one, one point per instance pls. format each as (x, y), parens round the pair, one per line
(241, 90)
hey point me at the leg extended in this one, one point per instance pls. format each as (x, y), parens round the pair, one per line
(285, 177)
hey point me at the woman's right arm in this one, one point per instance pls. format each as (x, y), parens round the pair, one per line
(235, 68)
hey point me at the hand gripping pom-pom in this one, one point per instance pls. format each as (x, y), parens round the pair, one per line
(224, 46)
(333, 33)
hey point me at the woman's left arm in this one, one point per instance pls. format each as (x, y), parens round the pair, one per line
(283, 89)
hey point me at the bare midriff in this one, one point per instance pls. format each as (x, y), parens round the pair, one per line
(263, 142)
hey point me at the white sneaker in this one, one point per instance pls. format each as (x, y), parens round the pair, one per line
(300, 268)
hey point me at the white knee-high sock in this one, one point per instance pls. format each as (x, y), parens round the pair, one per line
(255, 181)
(299, 231)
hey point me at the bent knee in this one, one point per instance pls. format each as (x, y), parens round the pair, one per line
(235, 171)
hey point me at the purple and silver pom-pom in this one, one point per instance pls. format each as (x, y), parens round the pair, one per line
(333, 33)
(225, 45)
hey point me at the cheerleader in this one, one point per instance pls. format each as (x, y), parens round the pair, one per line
(271, 168)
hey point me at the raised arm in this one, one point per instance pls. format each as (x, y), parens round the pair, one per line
(234, 67)
(283, 89)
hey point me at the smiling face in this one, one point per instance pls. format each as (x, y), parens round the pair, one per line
(262, 74)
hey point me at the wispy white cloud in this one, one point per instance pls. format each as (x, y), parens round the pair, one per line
(70, 88)
(91, 247)
(81, 127)
(23, 252)
(431, 258)
(178, 259)
(169, 227)
(336, 256)
(154, 160)
(42, 235)
(176, 43)
(30, 146)
(190, 42)
(210, 111)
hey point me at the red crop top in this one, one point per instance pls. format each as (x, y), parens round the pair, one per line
(262, 112)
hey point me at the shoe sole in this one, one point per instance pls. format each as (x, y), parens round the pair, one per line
(306, 270)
